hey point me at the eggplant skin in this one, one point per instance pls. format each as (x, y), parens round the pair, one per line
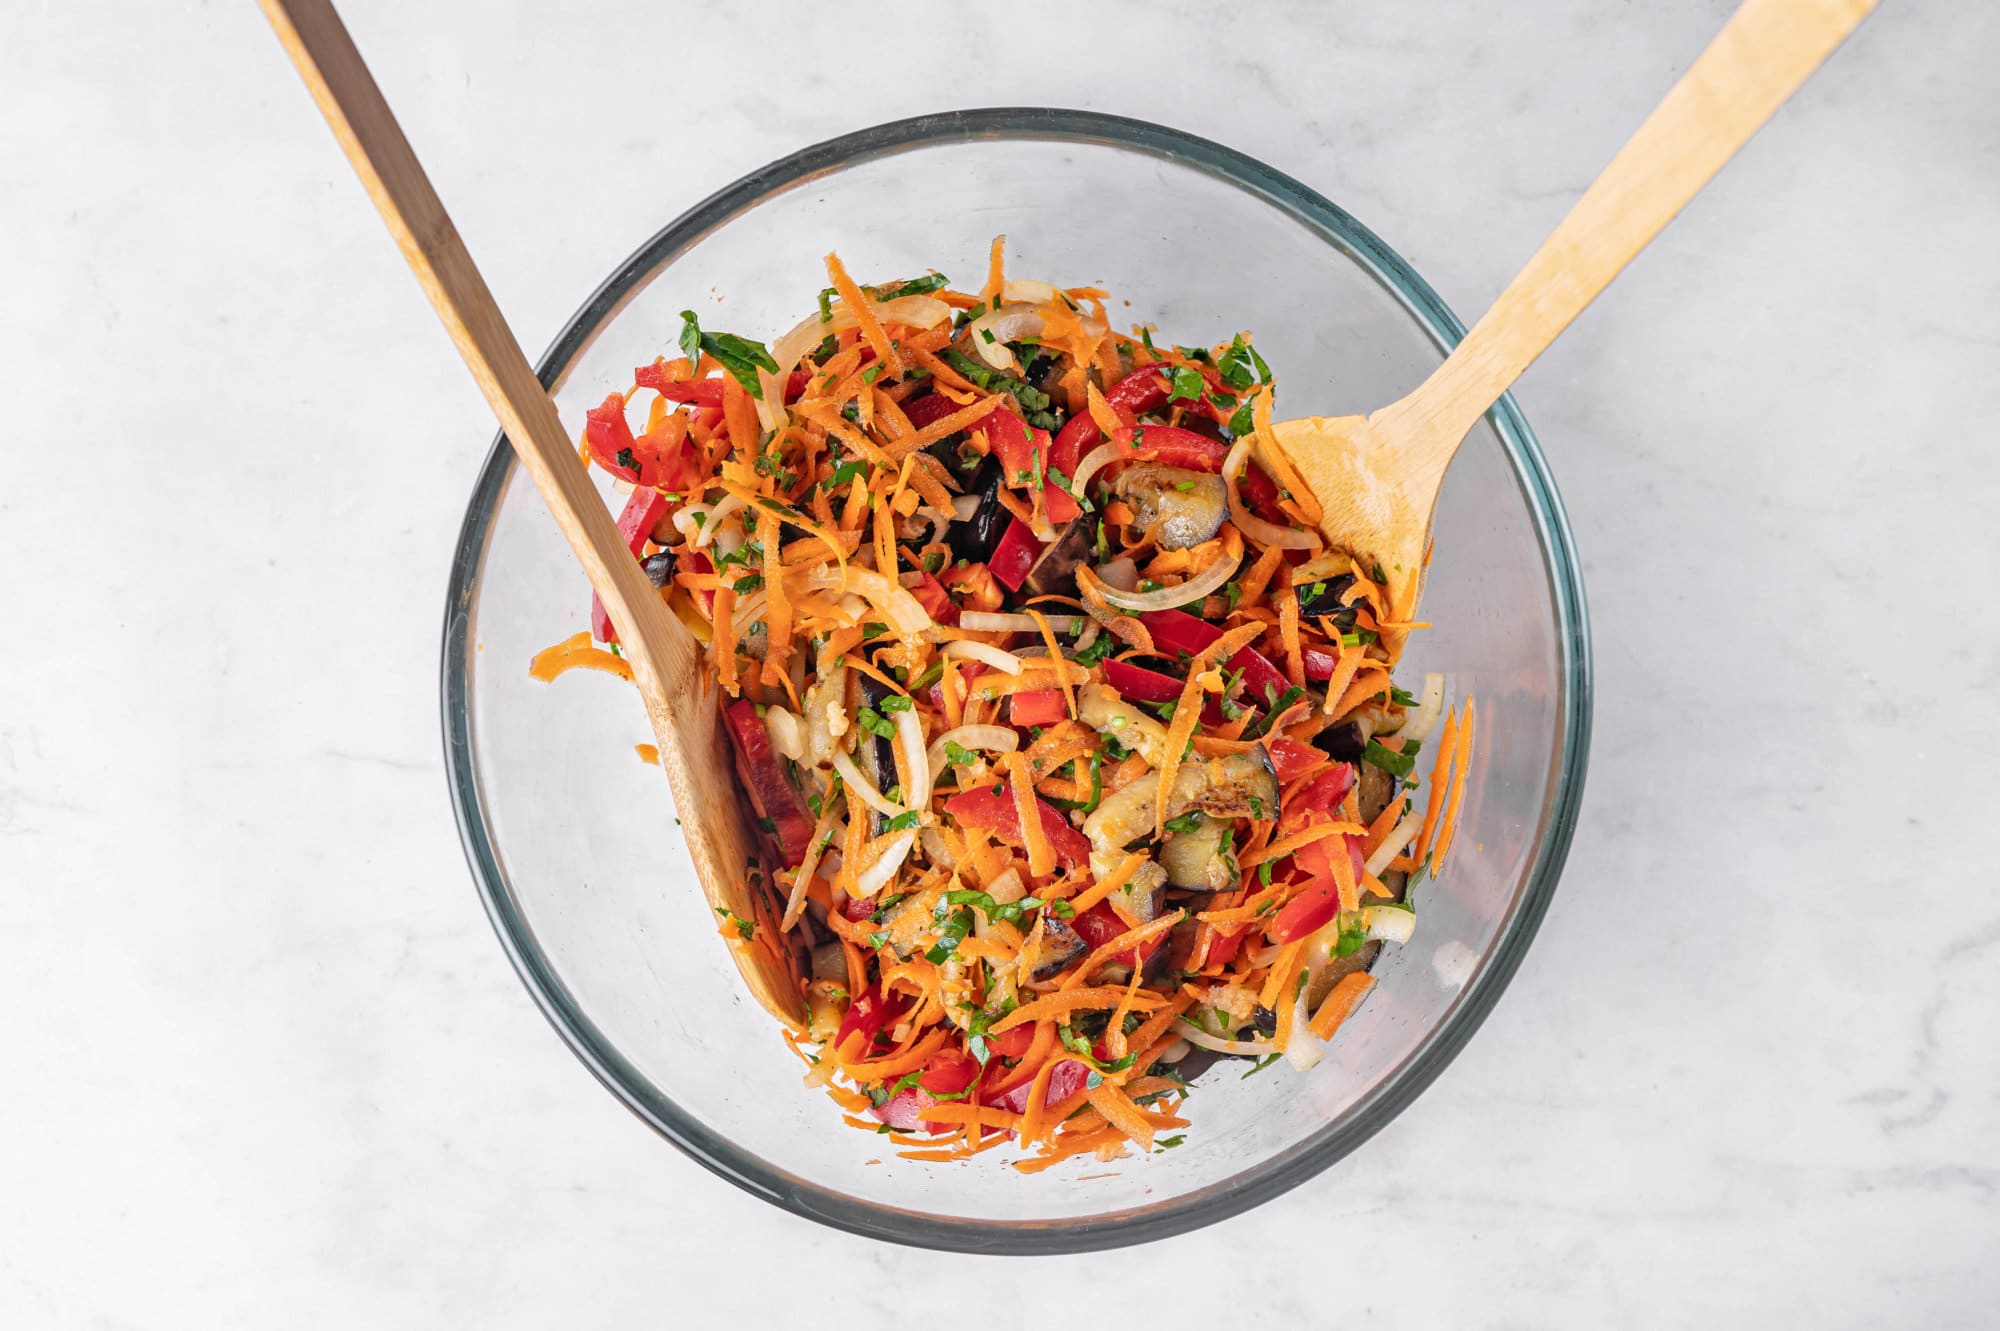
(659, 568)
(975, 538)
(1054, 573)
(875, 757)
(1323, 598)
(1342, 743)
(1192, 861)
(1060, 946)
(1181, 508)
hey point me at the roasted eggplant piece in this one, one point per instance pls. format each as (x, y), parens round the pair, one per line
(974, 538)
(1105, 712)
(1342, 743)
(1241, 785)
(1193, 860)
(1373, 791)
(1181, 508)
(1054, 574)
(1322, 597)
(659, 568)
(1060, 946)
(875, 757)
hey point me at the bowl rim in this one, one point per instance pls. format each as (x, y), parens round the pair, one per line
(1252, 1186)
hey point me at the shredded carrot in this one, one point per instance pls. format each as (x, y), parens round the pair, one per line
(864, 316)
(648, 753)
(1282, 972)
(1063, 1002)
(1434, 801)
(1055, 654)
(996, 273)
(1316, 832)
(1110, 883)
(1122, 1114)
(1461, 760)
(575, 651)
(1340, 1002)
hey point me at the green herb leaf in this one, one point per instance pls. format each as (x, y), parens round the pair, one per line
(1390, 761)
(1188, 384)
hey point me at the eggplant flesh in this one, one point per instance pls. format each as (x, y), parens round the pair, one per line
(1342, 743)
(1054, 573)
(1193, 860)
(1060, 946)
(875, 757)
(1179, 507)
(1240, 785)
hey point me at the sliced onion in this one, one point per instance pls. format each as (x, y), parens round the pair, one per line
(903, 611)
(749, 610)
(934, 846)
(984, 653)
(1399, 838)
(1170, 598)
(1027, 289)
(1121, 573)
(862, 786)
(789, 350)
(788, 732)
(872, 879)
(1389, 924)
(987, 621)
(963, 507)
(1201, 1039)
(1429, 707)
(1095, 461)
(724, 509)
(1252, 526)
(993, 330)
(910, 738)
(991, 739)
(1303, 1049)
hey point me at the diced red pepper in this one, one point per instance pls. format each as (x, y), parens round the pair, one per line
(1012, 1043)
(1225, 947)
(988, 809)
(764, 772)
(1037, 707)
(1179, 631)
(868, 1013)
(644, 508)
(1100, 924)
(1015, 555)
(1290, 759)
(1312, 908)
(660, 378)
(1138, 684)
(967, 672)
(1146, 390)
(1065, 1079)
(795, 386)
(1260, 492)
(658, 458)
(1022, 451)
(935, 600)
(1322, 795)
(922, 411)
(1319, 663)
(1172, 446)
(949, 1072)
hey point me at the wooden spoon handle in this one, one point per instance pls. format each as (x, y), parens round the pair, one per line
(318, 44)
(1759, 59)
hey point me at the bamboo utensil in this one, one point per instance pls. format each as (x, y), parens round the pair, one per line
(667, 665)
(1376, 477)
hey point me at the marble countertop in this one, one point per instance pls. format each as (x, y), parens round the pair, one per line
(266, 1064)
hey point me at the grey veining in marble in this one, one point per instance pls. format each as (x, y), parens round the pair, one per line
(265, 1063)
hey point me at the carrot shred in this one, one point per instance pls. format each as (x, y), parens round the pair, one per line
(1065, 1001)
(1434, 801)
(1461, 760)
(573, 652)
(1110, 883)
(864, 318)
(1340, 1002)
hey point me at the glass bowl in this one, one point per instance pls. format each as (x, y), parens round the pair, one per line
(572, 838)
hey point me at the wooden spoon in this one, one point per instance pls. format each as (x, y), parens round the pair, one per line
(667, 664)
(1376, 477)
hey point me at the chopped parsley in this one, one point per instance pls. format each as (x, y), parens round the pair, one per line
(738, 355)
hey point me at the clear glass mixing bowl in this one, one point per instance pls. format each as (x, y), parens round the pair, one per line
(572, 839)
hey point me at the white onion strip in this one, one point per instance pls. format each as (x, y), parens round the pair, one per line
(1303, 1049)
(871, 879)
(1194, 1035)
(1429, 707)
(987, 621)
(992, 739)
(1095, 461)
(1399, 838)
(993, 330)
(1252, 526)
(903, 611)
(983, 652)
(1169, 598)
(1389, 924)
(913, 311)
(862, 786)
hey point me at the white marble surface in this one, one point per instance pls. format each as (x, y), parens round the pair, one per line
(265, 1065)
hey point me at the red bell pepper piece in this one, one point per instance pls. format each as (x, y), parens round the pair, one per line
(992, 810)
(1066, 1079)
(1100, 924)
(967, 672)
(1226, 945)
(644, 508)
(1178, 631)
(1037, 707)
(921, 411)
(1146, 390)
(1022, 452)
(1312, 908)
(1012, 1043)
(1014, 556)
(657, 458)
(1290, 759)
(949, 1072)
(868, 1013)
(1138, 684)
(661, 380)
(935, 600)
(1172, 446)
(1322, 795)
(1260, 492)
(764, 772)
(1319, 662)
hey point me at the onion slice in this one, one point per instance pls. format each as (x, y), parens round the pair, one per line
(870, 794)
(1389, 924)
(1430, 706)
(992, 739)
(1201, 1039)
(1252, 526)
(1095, 461)
(871, 879)
(983, 652)
(910, 738)
(904, 612)
(987, 621)
(1399, 838)
(1303, 1049)
(1171, 598)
